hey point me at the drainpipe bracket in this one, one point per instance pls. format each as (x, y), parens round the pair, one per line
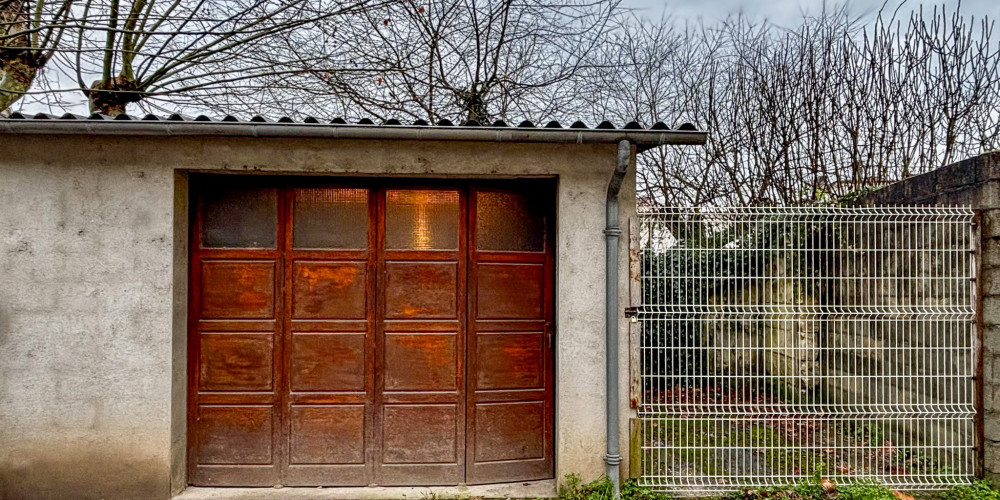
(613, 459)
(613, 231)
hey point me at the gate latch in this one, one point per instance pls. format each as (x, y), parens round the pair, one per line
(632, 313)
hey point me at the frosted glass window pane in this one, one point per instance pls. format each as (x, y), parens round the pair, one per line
(509, 221)
(421, 220)
(236, 215)
(330, 218)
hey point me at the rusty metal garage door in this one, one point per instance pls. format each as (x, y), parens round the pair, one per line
(370, 332)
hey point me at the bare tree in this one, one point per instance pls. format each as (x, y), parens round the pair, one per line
(123, 52)
(807, 114)
(30, 32)
(191, 47)
(445, 59)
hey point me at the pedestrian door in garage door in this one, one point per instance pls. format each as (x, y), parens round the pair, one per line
(370, 332)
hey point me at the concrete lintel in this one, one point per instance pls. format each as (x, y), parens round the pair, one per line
(532, 489)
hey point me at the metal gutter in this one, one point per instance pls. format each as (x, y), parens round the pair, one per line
(642, 138)
(612, 232)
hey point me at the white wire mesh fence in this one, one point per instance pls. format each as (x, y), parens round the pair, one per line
(783, 343)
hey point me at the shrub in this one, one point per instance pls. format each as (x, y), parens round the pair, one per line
(980, 490)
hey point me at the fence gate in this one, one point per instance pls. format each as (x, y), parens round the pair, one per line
(782, 343)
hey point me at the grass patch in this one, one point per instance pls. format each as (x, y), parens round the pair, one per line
(602, 489)
(864, 490)
(813, 490)
(777, 452)
(710, 446)
(690, 442)
(980, 490)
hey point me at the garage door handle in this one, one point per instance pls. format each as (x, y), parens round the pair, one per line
(548, 334)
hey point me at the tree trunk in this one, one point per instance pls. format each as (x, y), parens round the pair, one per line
(477, 110)
(19, 63)
(111, 97)
(15, 79)
(474, 106)
(100, 105)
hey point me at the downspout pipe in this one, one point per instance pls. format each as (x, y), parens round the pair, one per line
(612, 233)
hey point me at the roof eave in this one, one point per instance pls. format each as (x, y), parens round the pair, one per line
(643, 138)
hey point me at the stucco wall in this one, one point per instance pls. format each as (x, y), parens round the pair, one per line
(93, 295)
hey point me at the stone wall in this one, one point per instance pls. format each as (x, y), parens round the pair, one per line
(974, 182)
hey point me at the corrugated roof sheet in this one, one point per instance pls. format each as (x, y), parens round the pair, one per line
(604, 125)
(578, 132)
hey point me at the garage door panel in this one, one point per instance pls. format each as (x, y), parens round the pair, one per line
(237, 326)
(237, 289)
(329, 290)
(235, 435)
(330, 218)
(326, 475)
(510, 221)
(422, 219)
(421, 362)
(328, 362)
(371, 341)
(235, 213)
(421, 290)
(420, 397)
(420, 434)
(332, 435)
(236, 362)
(421, 343)
(510, 431)
(510, 355)
(422, 326)
(421, 475)
(510, 325)
(238, 398)
(510, 360)
(228, 475)
(507, 290)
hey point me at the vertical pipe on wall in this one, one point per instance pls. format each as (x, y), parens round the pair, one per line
(612, 231)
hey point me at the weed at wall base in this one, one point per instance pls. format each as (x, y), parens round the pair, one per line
(573, 488)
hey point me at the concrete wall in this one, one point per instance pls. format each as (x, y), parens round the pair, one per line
(93, 294)
(974, 182)
(785, 346)
(888, 363)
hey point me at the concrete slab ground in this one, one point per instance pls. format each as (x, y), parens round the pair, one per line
(532, 489)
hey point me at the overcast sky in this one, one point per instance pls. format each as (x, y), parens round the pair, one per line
(780, 12)
(787, 12)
